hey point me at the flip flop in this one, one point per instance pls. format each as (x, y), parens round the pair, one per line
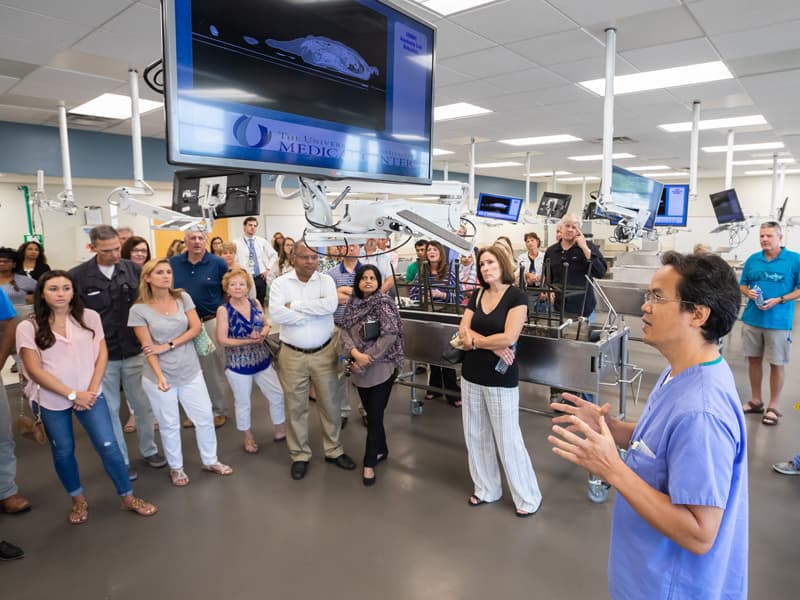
(477, 501)
(525, 515)
(753, 408)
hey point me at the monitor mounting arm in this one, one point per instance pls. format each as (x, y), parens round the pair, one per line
(632, 222)
(126, 199)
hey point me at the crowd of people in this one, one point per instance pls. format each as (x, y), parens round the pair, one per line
(170, 332)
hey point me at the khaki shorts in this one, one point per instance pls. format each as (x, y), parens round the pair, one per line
(773, 344)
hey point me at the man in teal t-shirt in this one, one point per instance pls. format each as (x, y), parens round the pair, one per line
(419, 248)
(767, 327)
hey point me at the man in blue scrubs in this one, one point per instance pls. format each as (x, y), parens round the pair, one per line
(679, 529)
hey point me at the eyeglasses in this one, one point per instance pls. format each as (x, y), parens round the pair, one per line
(139, 251)
(654, 298)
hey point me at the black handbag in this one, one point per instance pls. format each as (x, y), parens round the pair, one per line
(453, 355)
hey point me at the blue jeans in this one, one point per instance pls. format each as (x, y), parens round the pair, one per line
(97, 423)
(129, 372)
(8, 460)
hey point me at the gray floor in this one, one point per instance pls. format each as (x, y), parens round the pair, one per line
(259, 534)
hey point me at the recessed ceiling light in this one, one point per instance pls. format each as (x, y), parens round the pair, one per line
(745, 147)
(661, 78)
(495, 165)
(449, 7)
(761, 161)
(600, 156)
(114, 106)
(769, 172)
(715, 124)
(441, 152)
(770, 154)
(588, 178)
(648, 168)
(459, 110)
(549, 173)
(544, 139)
(663, 175)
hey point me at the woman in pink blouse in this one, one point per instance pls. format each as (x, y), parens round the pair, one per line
(64, 357)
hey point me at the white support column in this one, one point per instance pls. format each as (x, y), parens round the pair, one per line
(136, 129)
(729, 161)
(553, 182)
(446, 171)
(782, 184)
(528, 180)
(471, 199)
(583, 193)
(608, 111)
(66, 167)
(693, 151)
(773, 204)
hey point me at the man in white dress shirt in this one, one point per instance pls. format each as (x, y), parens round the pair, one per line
(303, 302)
(256, 255)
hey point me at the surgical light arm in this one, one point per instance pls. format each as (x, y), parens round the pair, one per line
(125, 198)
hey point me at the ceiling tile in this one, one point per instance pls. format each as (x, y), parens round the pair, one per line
(488, 62)
(724, 16)
(513, 21)
(469, 91)
(13, 68)
(665, 56)
(136, 50)
(589, 68)
(453, 40)
(34, 51)
(652, 29)
(765, 63)
(764, 40)
(86, 12)
(559, 48)
(69, 86)
(608, 11)
(24, 114)
(27, 101)
(529, 80)
(135, 20)
(446, 76)
(24, 25)
(706, 92)
(91, 64)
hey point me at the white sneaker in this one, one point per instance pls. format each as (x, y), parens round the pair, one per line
(786, 468)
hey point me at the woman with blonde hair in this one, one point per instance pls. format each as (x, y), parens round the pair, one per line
(165, 322)
(242, 329)
(176, 247)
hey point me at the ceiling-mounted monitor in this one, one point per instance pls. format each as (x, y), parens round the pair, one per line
(553, 205)
(335, 89)
(673, 207)
(726, 207)
(635, 193)
(505, 208)
(240, 192)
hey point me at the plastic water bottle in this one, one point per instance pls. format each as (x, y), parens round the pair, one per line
(502, 366)
(759, 295)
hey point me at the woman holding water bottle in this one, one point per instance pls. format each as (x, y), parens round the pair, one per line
(242, 329)
(489, 330)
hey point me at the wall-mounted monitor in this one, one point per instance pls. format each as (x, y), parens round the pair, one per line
(336, 89)
(635, 193)
(505, 208)
(242, 192)
(553, 205)
(673, 207)
(726, 207)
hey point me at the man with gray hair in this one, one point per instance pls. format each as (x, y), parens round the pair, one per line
(200, 274)
(770, 281)
(580, 257)
(109, 285)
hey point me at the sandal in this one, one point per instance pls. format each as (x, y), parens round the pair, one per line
(79, 513)
(130, 426)
(218, 469)
(475, 501)
(140, 507)
(751, 408)
(771, 417)
(250, 446)
(178, 477)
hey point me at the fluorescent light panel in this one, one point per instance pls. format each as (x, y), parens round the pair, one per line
(769, 172)
(541, 140)
(441, 152)
(459, 110)
(761, 161)
(495, 165)
(728, 123)
(114, 106)
(661, 78)
(745, 147)
(549, 173)
(568, 179)
(665, 175)
(449, 7)
(600, 156)
(648, 168)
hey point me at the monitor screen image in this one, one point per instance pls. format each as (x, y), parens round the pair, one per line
(337, 89)
(673, 207)
(505, 208)
(635, 192)
(726, 207)
(553, 205)
(242, 192)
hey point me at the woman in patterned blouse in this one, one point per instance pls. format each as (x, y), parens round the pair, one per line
(242, 329)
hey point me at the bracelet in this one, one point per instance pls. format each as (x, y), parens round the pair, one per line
(783, 300)
(474, 347)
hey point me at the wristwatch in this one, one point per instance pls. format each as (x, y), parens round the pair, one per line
(72, 396)
(171, 345)
(783, 300)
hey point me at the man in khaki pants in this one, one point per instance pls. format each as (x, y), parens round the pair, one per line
(303, 302)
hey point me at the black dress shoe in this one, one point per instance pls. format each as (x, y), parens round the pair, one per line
(342, 461)
(299, 469)
(9, 551)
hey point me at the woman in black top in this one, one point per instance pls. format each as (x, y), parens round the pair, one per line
(31, 260)
(489, 329)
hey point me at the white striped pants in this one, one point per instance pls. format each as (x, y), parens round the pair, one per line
(491, 427)
(242, 385)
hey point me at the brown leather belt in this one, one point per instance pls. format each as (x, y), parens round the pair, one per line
(307, 350)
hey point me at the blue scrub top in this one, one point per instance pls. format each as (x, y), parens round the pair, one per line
(7, 310)
(689, 444)
(776, 278)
